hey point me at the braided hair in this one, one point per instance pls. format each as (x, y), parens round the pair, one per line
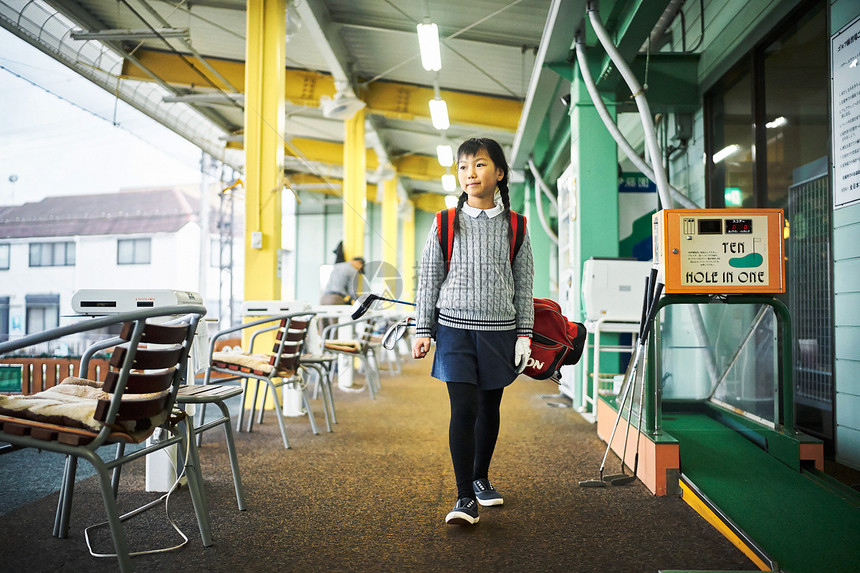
(470, 148)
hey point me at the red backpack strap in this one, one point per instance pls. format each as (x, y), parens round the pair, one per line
(518, 224)
(445, 233)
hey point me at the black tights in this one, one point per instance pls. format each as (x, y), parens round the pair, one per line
(472, 432)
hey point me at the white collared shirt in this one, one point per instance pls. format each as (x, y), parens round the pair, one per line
(474, 212)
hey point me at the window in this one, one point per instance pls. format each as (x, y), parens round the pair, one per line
(4, 257)
(43, 312)
(4, 318)
(767, 118)
(133, 251)
(52, 254)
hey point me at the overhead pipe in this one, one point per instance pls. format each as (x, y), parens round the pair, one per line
(613, 128)
(641, 103)
(654, 151)
(541, 184)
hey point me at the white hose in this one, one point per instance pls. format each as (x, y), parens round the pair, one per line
(539, 202)
(654, 151)
(619, 138)
(641, 102)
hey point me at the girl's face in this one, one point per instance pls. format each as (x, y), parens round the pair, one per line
(478, 177)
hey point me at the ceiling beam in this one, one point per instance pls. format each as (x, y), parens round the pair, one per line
(304, 88)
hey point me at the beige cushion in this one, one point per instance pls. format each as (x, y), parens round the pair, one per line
(344, 345)
(259, 363)
(73, 403)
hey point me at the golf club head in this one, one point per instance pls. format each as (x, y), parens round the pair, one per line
(623, 480)
(592, 483)
(395, 332)
(362, 305)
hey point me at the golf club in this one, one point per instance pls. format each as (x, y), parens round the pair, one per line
(645, 308)
(643, 331)
(362, 304)
(625, 480)
(396, 331)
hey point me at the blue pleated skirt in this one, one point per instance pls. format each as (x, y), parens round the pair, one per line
(480, 357)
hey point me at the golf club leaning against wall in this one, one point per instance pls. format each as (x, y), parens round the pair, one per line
(648, 312)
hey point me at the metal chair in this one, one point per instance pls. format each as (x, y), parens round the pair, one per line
(361, 347)
(275, 369)
(135, 398)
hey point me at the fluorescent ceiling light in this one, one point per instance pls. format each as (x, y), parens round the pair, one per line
(131, 34)
(449, 183)
(778, 122)
(853, 63)
(439, 114)
(445, 155)
(451, 201)
(726, 152)
(428, 43)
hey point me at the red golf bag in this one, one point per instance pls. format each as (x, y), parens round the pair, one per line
(556, 341)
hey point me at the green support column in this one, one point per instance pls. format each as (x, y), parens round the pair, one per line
(594, 156)
(542, 245)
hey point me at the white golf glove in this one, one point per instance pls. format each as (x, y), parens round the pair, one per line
(522, 351)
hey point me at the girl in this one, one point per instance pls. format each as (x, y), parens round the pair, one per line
(482, 311)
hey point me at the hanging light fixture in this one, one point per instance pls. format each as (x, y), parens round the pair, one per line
(449, 182)
(428, 43)
(445, 155)
(439, 111)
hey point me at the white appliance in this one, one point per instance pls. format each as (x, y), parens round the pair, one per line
(614, 289)
(112, 301)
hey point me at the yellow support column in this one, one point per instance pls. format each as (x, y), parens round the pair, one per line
(407, 263)
(389, 222)
(354, 186)
(264, 127)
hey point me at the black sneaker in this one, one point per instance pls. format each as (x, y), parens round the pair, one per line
(486, 493)
(464, 513)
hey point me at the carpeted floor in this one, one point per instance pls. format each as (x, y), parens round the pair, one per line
(372, 496)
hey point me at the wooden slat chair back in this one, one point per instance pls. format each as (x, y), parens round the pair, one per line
(294, 337)
(137, 395)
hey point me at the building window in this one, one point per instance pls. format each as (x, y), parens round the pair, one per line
(133, 251)
(4, 257)
(52, 254)
(4, 318)
(43, 312)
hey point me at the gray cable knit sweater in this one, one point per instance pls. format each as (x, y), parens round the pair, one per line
(482, 290)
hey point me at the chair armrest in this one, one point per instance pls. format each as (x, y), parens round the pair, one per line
(98, 323)
(326, 333)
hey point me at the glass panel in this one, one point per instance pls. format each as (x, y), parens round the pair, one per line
(732, 361)
(124, 252)
(35, 254)
(732, 145)
(70, 253)
(796, 77)
(142, 251)
(35, 319)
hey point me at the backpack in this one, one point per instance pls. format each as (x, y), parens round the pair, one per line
(445, 233)
(556, 341)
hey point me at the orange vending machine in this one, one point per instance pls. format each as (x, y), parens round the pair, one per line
(720, 251)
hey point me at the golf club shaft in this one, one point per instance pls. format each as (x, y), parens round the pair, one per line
(620, 409)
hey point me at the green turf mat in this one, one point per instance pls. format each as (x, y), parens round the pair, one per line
(801, 525)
